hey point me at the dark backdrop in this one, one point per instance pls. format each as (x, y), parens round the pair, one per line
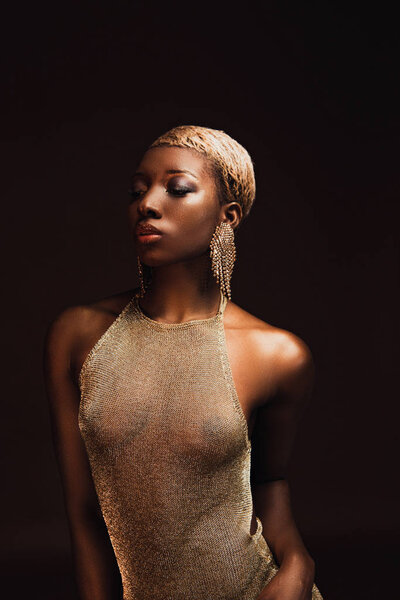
(311, 90)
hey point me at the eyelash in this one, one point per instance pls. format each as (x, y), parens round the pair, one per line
(179, 192)
(174, 192)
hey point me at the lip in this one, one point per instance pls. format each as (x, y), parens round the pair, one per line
(148, 238)
(147, 234)
(146, 229)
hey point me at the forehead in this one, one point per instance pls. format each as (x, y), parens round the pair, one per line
(159, 160)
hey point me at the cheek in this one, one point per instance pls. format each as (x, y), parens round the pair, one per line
(196, 214)
(195, 225)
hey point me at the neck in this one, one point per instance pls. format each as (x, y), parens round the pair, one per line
(181, 292)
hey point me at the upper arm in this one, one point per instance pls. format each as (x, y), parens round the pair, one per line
(277, 419)
(63, 397)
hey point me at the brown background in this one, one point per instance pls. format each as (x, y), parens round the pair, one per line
(312, 92)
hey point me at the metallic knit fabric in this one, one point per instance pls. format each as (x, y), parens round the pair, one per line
(169, 451)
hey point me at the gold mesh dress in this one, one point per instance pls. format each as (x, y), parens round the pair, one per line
(168, 446)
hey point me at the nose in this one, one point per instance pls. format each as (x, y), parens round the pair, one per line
(148, 205)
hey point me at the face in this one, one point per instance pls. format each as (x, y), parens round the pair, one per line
(174, 190)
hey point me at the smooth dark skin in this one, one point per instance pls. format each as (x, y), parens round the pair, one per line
(273, 371)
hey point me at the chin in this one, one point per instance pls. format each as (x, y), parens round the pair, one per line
(151, 258)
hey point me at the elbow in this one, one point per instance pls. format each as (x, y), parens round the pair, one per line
(267, 480)
(261, 476)
(82, 514)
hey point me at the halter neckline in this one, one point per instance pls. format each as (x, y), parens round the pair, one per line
(221, 308)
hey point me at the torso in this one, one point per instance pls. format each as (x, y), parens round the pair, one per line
(175, 424)
(252, 346)
(259, 354)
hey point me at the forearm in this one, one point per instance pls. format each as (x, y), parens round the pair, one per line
(96, 570)
(272, 505)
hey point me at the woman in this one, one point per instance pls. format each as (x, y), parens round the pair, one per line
(160, 396)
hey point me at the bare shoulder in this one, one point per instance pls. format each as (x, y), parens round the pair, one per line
(284, 357)
(90, 316)
(81, 318)
(72, 333)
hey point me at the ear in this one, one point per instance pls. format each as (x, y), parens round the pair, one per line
(232, 213)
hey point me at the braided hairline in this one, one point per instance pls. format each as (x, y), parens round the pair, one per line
(231, 161)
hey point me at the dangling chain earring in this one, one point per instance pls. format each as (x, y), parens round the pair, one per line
(144, 281)
(223, 256)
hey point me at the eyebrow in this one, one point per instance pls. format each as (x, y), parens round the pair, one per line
(171, 171)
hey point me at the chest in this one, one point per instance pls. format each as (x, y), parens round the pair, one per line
(156, 366)
(145, 388)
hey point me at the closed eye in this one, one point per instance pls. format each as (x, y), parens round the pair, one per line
(179, 191)
(173, 191)
(135, 193)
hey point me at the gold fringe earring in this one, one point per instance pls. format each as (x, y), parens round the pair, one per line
(223, 256)
(144, 277)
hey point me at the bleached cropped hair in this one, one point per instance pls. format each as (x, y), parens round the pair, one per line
(230, 161)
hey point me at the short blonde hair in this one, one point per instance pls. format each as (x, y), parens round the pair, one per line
(231, 162)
